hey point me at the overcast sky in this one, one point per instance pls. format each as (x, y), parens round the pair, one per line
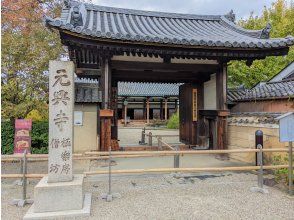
(242, 8)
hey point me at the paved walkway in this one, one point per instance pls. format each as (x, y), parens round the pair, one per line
(189, 161)
(131, 136)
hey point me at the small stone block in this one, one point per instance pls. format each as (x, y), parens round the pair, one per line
(109, 198)
(68, 214)
(52, 197)
(21, 203)
(258, 189)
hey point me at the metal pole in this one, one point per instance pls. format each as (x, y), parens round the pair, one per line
(150, 139)
(143, 136)
(24, 191)
(260, 163)
(19, 181)
(110, 196)
(176, 158)
(159, 138)
(125, 116)
(109, 178)
(290, 169)
(21, 202)
(259, 187)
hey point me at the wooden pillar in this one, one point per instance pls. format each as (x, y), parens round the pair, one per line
(221, 91)
(125, 112)
(113, 105)
(221, 87)
(147, 109)
(165, 109)
(105, 131)
(161, 109)
(105, 82)
(144, 110)
(106, 115)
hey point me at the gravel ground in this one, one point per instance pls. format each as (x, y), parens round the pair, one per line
(211, 196)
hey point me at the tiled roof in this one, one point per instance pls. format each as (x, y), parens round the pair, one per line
(235, 94)
(286, 73)
(268, 90)
(147, 89)
(87, 91)
(162, 28)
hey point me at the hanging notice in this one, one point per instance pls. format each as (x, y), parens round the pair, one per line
(22, 137)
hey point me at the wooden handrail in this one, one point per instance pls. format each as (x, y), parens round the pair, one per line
(162, 135)
(158, 170)
(168, 170)
(187, 152)
(32, 175)
(134, 154)
(15, 156)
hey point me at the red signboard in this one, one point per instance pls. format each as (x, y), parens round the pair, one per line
(22, 138)
(23, 124)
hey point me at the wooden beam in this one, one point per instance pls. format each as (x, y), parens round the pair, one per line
(156, 76)
(171, 67)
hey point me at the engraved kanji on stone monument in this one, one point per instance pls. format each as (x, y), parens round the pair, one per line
(61, 102)
(60, 96)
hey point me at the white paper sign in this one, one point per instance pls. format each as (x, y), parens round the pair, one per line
(78, 118)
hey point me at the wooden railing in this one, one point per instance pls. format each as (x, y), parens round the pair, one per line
(131, 154)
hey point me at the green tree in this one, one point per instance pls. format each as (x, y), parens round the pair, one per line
(281, 17)
(27, 47)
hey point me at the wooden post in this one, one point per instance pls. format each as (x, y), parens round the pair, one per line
(105, 131)
(176, 106)
(159, 140)
(113, 106)
(150, 139)
(221, 87)
(105, 82)
(125, 114)
(161, 109)
(165, 109)
(144, 110)
(147, 109)
(221, 91)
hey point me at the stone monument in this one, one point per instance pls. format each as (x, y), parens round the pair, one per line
(60, 194)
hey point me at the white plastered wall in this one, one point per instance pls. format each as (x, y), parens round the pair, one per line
(85, 136)
(210, 93)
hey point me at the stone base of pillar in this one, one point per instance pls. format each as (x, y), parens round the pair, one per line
(60, 200)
